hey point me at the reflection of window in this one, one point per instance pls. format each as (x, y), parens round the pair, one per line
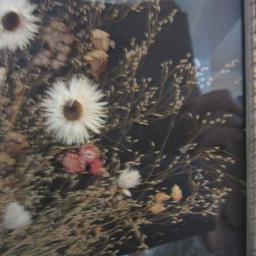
(215, 27)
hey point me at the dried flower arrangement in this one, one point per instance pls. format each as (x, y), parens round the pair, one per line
(97, 152)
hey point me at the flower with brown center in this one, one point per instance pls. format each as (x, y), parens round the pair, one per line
(11, 21)
(17, 24)
(73, 111)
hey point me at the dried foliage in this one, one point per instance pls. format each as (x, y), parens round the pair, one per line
(97, 59)
(58, 42)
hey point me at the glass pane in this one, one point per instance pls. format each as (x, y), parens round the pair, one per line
(122, 128)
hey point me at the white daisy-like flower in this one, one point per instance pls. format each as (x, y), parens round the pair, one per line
(17, 24)
(129, 178)
(16, 216)
(74, 110)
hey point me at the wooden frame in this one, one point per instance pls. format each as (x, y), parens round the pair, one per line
(250, 45)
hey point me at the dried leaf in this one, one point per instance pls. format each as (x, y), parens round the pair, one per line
(176, 193)
(16, 142)
(161, 197)
(97, 59)
(3, 73)
(6, 159)
(59, 40)
(157, 208)
(101, 40)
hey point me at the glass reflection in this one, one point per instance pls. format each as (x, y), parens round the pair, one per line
(217, 41)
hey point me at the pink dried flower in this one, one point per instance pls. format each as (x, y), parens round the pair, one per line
(90, 156)
(72, 163)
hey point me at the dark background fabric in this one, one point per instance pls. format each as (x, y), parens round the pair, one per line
(174, 43)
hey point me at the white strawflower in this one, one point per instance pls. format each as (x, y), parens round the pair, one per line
(17, 24)
(16, 216)
(74, 110)
(129, 178)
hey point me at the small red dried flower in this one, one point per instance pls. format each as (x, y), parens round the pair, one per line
(90, 156)
(72, 163)
(87, 160)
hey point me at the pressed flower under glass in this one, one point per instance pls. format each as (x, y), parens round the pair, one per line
(114, 137)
